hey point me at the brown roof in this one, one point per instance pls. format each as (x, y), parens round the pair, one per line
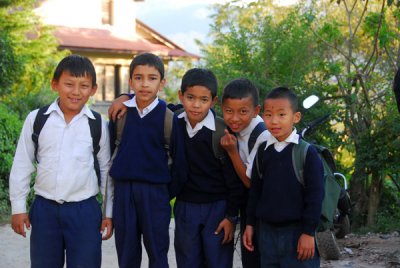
(104, 40)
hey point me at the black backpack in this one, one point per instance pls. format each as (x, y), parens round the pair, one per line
(95, 132)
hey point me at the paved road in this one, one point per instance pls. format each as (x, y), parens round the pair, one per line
(14, 251)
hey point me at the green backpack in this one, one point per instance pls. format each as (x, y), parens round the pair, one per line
(332, 187)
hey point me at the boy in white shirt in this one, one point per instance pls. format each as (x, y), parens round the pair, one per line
(66, 218)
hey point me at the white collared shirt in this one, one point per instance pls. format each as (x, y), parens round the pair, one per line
(208, 122)
(280, 145)
(65, 172)
(243, 140)
(132, 103)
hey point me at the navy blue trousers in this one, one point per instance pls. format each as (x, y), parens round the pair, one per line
(250, 259)
(141, 209)
(196, 244)
(70, 229)
(278, 247)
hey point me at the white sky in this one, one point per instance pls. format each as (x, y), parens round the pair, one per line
(183, 21)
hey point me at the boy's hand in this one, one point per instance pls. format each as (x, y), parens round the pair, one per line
(18, 223)
(305, 247)
(248, 238)
(229, 142)
(106, 225)
(229, 229)
(117, 108)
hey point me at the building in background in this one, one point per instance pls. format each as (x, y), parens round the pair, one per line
(107, 32)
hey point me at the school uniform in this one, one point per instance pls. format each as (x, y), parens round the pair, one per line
(64, 215)
(282, 206)
(250, 259)
(211, 192)
(142, 176)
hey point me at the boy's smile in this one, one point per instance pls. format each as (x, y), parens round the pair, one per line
(238, 113)
(74, 92)
(279, 117)
(197, 101)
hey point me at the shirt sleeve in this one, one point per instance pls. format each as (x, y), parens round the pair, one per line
(249, 161)
(107, 184)
(235, 188)
(22, 167)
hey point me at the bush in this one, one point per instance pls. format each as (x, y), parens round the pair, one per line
(10, 127)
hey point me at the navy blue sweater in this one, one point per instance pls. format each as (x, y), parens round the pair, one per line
(209, 179)
(279, 198)
(142, 155)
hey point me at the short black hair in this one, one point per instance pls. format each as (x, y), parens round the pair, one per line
(240, 88)
(77, 66)
(200, 77)
(284, 93)
(147, 59)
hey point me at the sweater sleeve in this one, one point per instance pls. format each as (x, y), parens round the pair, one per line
(313, 191)
(255, 187)
(179, 168)
(235, 187)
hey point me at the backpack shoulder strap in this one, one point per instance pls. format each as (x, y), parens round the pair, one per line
(216, 138)
(95, 132)
(259, 159)
(260, 127)
(168, 121)
(119, 128)
(38, 124)
(299, 154)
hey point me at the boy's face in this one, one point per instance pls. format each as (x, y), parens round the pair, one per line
(238, 113)
(279, 117)
(146, 82)
(73, 91)
(196, 101)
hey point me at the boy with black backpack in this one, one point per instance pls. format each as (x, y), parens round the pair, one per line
(240, 109)
(65, 216)
(287, 211)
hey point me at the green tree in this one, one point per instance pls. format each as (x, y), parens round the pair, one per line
(30, 55)
(344, 51)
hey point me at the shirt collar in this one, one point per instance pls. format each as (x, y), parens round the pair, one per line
(253, 123)
(208, 121)
(132, 103)
(55, 107)
(293, 138)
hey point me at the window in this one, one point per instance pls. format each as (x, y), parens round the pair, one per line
(107, 12)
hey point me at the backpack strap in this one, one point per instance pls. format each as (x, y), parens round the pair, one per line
(119, 128)
(260, 127)
(259, 160)
(95, 132)
(38, 124)
(299, 154)
(168, 122)
(219, 132)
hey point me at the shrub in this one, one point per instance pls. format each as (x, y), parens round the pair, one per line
(10, 127)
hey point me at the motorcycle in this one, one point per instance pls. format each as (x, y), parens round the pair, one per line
(326, 240)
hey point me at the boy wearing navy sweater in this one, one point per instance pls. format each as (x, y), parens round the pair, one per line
(240, 109)
(140, 168)
(287, 213)
(206, 208)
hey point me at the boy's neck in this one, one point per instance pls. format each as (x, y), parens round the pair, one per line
(141, 105)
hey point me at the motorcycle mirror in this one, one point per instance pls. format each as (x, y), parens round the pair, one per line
(310, 101)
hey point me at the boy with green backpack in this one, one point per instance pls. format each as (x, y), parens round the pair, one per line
(287, 211)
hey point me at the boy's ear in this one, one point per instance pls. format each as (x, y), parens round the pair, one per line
(94, 90)
(297, 117)
(162, 84)
(257, 110)
(180, 95)
(214, 101)
(54, 85)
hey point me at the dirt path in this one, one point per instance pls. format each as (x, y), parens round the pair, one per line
(367, 251)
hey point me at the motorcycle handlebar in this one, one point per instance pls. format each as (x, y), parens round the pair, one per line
(314, 123)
